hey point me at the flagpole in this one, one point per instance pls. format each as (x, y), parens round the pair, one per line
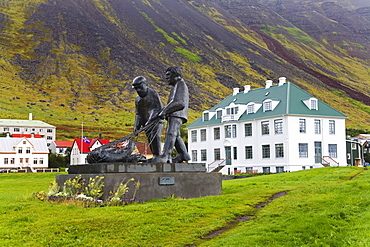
(82, 136)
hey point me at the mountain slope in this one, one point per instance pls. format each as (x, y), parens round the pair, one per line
(72, 61)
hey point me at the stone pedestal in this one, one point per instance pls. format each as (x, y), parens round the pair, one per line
(157, 180)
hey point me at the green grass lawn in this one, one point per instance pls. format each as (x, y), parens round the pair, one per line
(323, 207)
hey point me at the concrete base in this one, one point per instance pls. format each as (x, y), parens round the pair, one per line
(163, 180)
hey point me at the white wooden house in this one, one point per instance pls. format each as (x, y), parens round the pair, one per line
(278, 128)
(81, 148)
(29, 154)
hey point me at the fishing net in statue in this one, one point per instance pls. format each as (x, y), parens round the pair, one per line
(120, 150)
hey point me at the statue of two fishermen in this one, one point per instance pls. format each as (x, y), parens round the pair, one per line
(149, 108)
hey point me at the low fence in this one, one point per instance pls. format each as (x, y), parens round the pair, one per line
(25, 170)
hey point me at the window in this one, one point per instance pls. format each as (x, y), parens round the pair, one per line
(279, 150)
(232, 110)
(219, 114)
(41, 130)
(41, 161)
(20, 150)
(317, 126)
(313, 104)
(217, 154)
(27, 160)
(35, 161)
(206, 116)
(193, 136)
(235, 149)
(203, 155)
(267, 106)
(6, 161)
(194, 155)
(49, 138)
(16, 129)
(279, 169)
(265, 128)
(278, 126)
(12, 161)
(266, 169)
(216, 133)
(248, 129)
(203, 135)
(303, 150)
(230, 131)
(28, 150)
(333, 150)
(331, 127)
(250, 108)
(6, 129)
(265, 151)
(24, 142)
(234, 131)
(248, 152)
(227, 131)
(50, 130)
(248, 169)
(302, 125)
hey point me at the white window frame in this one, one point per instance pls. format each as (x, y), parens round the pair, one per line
(303, 150)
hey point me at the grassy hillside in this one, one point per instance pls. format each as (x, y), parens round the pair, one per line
(71, 62)
(325, 206)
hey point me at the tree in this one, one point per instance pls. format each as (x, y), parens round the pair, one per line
(58, 160)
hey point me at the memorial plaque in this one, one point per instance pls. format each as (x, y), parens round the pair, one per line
(166, 180)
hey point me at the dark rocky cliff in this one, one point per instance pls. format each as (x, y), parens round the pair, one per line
(75, 59)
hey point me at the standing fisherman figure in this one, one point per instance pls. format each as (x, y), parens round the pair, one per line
(176, 113)
(148, 104)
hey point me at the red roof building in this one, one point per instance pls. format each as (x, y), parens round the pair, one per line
(81, 147)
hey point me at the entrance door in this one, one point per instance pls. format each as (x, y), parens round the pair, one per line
(318, 152)
(228, 155)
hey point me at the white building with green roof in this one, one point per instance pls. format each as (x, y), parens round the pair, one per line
(26, 128)
(278, 128)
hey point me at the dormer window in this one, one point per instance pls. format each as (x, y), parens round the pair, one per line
(267, 106)
(232, 110)
(250, 108)
(206, 116)
(219, 114)
(311, 103)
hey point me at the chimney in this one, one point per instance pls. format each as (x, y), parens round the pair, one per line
(247, 88)
(282, 81)
(268, 84)
(236, 90)
(29, 116)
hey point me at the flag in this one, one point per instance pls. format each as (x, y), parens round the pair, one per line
(84, 139)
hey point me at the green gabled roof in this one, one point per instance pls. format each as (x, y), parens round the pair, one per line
(290, 99)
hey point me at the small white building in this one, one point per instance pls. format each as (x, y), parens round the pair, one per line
(278, 128)
(60, 147)
(24, 153)
(30, 126)
(82, 147)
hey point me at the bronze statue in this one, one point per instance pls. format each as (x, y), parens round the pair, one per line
(176, 113)
(148, 104)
